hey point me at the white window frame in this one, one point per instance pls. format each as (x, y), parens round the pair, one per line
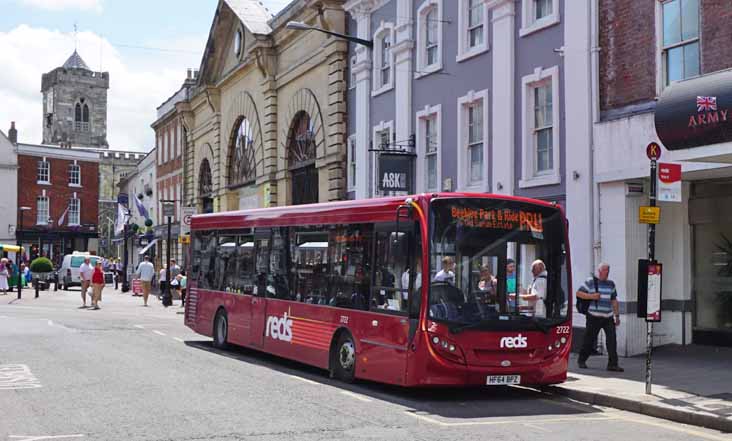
(661, 49)
(376, 145)
(466, 52)
(384, 29)
(529, 24)
(464, 102)
(75, 201)
(48, 172)
(43, 220)
(433, 113)
(352, 165)
(424, 10)
(75, 165)
(529, 177)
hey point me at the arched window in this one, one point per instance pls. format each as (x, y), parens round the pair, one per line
(302, 141)
(241, 155)
(205, 183)
(205, 187)
(302, 155)
(81, 116)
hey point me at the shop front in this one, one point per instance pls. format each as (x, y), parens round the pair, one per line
(693, 121)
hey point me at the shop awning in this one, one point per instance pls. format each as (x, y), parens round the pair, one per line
(697, 113)
(147, 247)
(10, 248)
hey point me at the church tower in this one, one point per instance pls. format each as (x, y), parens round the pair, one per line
(75, 105)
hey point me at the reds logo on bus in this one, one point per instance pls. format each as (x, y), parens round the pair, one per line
(514, 342)
(279, 328)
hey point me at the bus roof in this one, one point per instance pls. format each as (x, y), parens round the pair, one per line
(350, 211)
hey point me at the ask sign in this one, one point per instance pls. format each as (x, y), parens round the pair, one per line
(395, 172)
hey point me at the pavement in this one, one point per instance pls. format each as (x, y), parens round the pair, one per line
(127, 372)
(690, 384)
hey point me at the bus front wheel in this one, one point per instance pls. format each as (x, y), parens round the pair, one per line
(221, 330)
(345, 358)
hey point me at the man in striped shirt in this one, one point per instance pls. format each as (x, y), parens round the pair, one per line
(602, 314)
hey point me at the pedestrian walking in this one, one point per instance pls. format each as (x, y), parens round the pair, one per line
(174, 269)
(86, 271)
(162, 281)
(146, 272)
(603, 313)
(97, 284)
(182, 284)
(4, 274)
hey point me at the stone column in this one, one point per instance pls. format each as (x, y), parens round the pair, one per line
(268, 180)
(335, 119)
(502, 97)
(403, 72)
(362, 71)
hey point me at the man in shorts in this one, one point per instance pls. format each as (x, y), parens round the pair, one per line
(86, 270)
(146, 272)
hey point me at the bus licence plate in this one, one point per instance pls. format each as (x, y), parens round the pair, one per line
(496, 380)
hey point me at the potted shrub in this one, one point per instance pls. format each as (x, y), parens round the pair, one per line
(41, 269)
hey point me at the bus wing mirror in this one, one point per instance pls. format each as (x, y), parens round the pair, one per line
(402, 212)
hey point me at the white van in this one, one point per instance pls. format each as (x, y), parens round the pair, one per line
(68, 274)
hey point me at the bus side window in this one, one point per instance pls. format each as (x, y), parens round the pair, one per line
(309, 263)
(262, 240)
(279, 263)
(414, 273)
(391, 271)
(205, 256)
(350, 275)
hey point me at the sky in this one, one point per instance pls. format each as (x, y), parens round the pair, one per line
(146, 46)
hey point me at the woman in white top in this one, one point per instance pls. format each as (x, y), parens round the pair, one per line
(162, 280)
(4, 273)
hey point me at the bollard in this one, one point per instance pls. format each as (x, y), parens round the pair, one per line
(35, 285)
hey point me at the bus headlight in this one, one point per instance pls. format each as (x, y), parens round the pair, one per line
(563, 340)
(447, 348)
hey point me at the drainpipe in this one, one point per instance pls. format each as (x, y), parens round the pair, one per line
(594, 72)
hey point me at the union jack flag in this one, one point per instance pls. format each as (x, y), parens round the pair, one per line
(706, 103)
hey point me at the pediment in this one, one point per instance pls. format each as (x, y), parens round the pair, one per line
(247, 17)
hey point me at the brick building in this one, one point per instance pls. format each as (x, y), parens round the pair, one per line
(61, 187)
(170, 134)
(653, 61)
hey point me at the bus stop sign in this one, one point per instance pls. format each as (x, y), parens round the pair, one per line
(653, 151)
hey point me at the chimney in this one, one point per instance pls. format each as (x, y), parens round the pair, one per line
(190, 74)
(13, 133)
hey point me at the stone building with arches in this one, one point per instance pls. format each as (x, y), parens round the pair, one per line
(265, 122)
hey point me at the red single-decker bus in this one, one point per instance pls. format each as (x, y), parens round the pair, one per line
(434, 289)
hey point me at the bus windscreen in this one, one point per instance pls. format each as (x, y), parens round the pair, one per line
(497, 262)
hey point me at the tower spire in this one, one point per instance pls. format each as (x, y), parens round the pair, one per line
(76, 37)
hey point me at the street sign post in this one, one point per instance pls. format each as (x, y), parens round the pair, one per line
(653, 151)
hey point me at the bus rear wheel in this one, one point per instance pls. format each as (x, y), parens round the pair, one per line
(344, 358)
(221, 330)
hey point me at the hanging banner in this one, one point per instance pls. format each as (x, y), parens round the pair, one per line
(669, 182)
(395, 172)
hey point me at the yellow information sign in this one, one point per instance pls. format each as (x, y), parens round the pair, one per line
(184, 240)
(649, 215)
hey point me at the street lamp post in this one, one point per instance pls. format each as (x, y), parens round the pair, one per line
(21, 210)
(300, 26)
